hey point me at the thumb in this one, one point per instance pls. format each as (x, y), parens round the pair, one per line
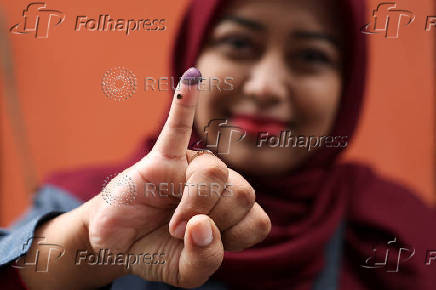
(203, 252)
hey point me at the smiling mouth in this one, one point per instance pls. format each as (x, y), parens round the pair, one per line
(253, 124)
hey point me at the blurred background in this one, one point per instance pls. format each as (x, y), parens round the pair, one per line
(64, 119)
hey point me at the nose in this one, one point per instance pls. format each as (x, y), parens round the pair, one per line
(268, 81)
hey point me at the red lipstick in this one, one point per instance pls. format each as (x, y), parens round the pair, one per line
(253, 125)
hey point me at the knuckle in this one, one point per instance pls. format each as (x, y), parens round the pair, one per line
(180, 128)
(244, 195)
(238, 241)
(216, 171)
(263, 226)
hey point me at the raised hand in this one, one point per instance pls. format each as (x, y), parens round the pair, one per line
(187, 207)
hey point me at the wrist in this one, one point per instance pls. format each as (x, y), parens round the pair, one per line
(60, 245)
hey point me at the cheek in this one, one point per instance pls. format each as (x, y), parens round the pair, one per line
(217, 91)
(221, 85)
(317, 100)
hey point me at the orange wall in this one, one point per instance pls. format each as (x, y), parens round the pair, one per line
(70, 123)
(397, 130)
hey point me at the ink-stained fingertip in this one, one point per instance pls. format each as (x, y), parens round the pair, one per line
(191, 77)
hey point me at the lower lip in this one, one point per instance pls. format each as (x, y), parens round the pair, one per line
(252, 127)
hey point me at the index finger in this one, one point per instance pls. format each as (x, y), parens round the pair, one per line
(174, 139)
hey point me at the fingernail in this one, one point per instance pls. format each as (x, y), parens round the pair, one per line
(202, 234)
(191, 77)
(179, 232)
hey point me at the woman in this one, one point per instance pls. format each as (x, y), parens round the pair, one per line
(295, 66)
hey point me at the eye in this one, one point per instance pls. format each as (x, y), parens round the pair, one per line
(312, 56)
(237, 47)
(236, 42)
(312, 60)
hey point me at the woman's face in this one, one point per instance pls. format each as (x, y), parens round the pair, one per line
(270, 66)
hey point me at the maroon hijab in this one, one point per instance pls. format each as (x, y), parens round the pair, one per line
(307, 207)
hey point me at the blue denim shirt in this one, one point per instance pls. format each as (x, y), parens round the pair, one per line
(50, 201)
